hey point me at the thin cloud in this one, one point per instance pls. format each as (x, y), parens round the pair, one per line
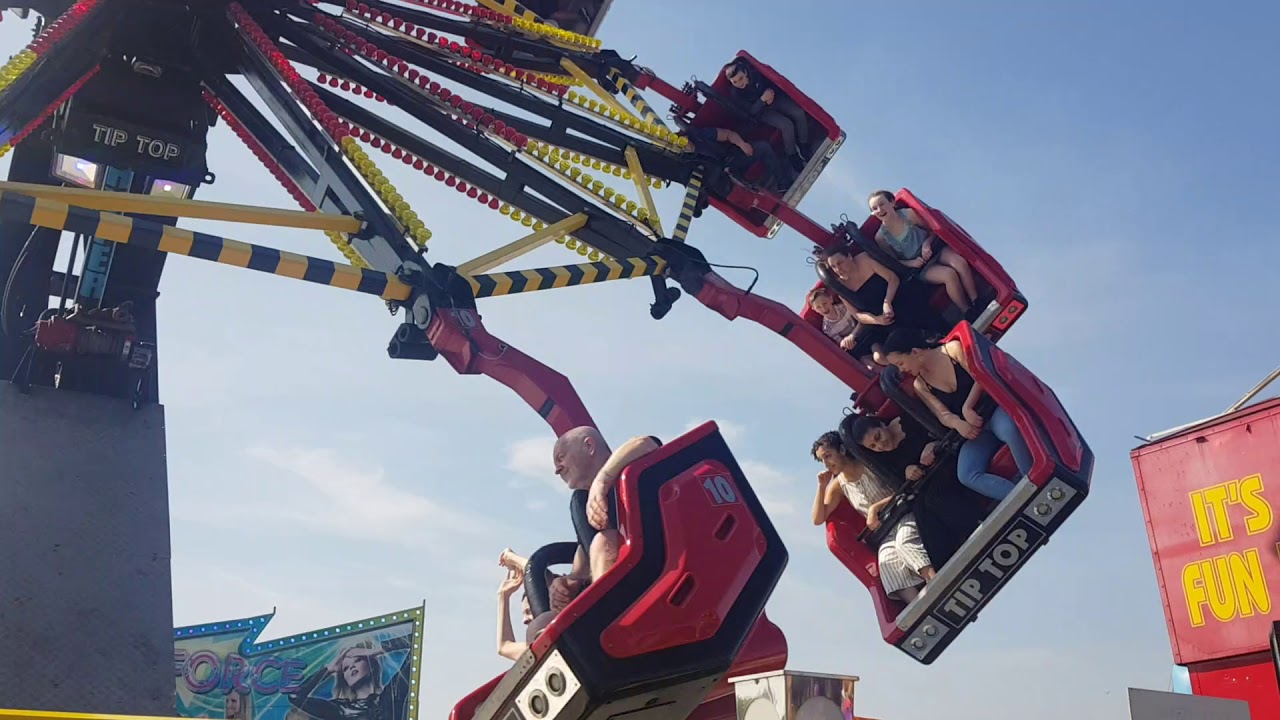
(351, 501)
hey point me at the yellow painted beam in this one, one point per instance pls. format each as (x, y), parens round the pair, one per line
(150, 235)
(50, 715)
(173, 207)
(642, 186)
(589, 82)
(512, 250)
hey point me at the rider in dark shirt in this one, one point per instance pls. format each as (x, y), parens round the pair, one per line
(946, 511)
(770, 106)
(727, 149)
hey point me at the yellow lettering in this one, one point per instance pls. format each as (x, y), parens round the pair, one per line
(1216, 499)
(1202, 518)
(1218, 585)
(1260, 516)
(1231, 586)
(1250, 583)
(1193, 589)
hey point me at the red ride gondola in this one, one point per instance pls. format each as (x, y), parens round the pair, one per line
(1000, 304)
(760, 213)
(1018, 526)
(680, 611)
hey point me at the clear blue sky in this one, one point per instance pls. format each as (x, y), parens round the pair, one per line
(1121, 161)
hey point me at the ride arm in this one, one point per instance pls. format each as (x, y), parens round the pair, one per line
(825, 501)
(460, 337)
(713, 291)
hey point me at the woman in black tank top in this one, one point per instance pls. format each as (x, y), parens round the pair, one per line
(943, 382)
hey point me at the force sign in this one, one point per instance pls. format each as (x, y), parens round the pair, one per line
(114, 137)
(1002, 559)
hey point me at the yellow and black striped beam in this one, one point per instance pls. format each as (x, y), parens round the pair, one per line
(690, 202)
(641, 180)
(162, 206)
(634, 97)
(19, 208)
(590, 83)
(523, 281)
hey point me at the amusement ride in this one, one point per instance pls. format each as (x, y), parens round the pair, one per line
(106, 114)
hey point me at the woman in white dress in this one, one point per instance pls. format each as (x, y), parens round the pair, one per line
(904, 562)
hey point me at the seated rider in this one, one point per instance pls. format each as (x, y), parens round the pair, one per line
(949, 512)
(767, 104)
(905, 236)
(944, 383)
(727, 149)
(507, 645)
(838, 322)
(902, 558)
(583, 460)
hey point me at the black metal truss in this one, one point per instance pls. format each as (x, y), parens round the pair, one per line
(603, 231)
(592, 137)
(337, 188)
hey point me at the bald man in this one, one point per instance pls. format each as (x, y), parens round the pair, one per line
(584, 462)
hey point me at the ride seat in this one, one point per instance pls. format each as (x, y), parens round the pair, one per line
(655, 634)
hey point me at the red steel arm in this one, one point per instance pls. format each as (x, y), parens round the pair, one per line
(733, 302)
(462, 340)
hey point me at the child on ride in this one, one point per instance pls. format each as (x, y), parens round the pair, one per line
(837, 322)
(905, 236)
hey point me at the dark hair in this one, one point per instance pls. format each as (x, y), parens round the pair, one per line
(831, 252)
(881, 193)
(853, 428)
(737, 65)
(829, 439)
(904, 340)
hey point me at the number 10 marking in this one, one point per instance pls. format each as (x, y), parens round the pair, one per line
(720, 490)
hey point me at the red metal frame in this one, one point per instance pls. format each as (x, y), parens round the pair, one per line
(1025, 399)
(462, 340)
(733, 302)
(749, 209)
(956, 238)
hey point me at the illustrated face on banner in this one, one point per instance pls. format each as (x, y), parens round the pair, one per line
(358, 671)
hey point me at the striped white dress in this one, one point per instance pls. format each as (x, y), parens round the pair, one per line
(902, 554)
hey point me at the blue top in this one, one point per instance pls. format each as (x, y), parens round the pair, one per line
(908, 246)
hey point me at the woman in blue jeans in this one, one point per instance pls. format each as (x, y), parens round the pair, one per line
(944, 383)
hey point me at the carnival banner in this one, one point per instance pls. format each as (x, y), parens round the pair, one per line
(362, 670)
